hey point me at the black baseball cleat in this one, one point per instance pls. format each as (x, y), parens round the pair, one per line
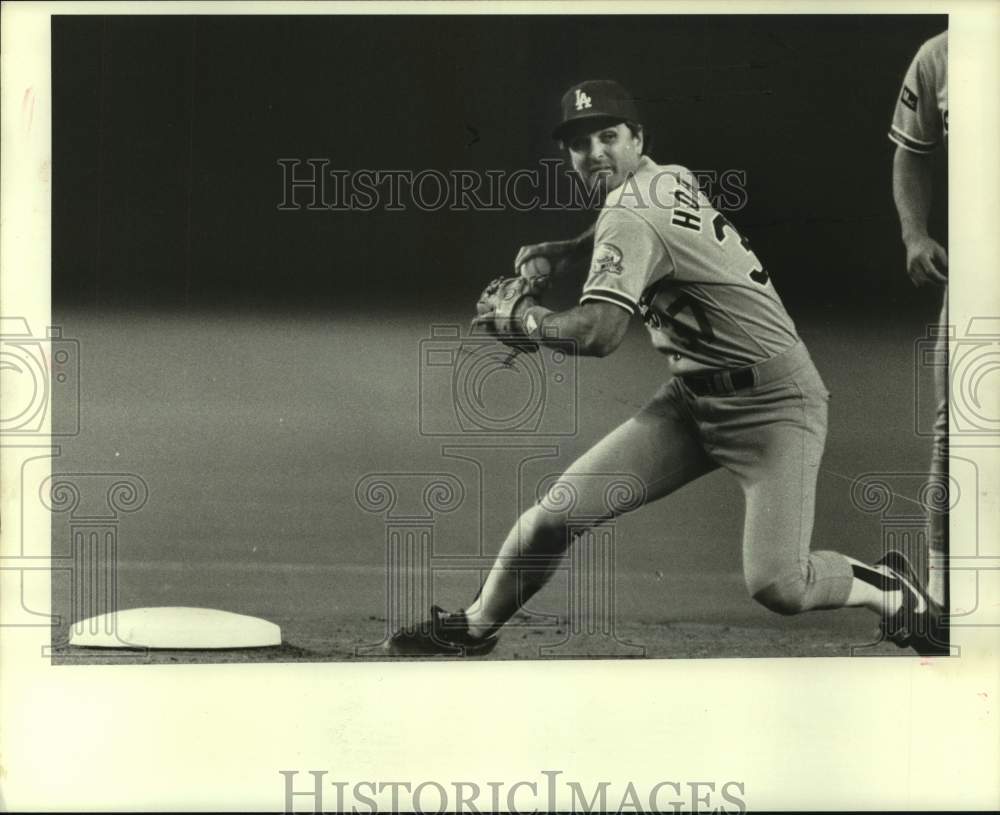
(444, 634)
(919, 624)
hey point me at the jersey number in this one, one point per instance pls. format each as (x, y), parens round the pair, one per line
(692, 337)
(719, 224)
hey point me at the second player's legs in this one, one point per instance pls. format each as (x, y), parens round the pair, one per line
(937, 533)
(646, 458)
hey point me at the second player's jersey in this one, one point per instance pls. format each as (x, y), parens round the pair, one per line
(662, 250)
(920, 119)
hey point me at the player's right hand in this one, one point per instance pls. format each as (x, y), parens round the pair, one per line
(559, 254)
(926, 261)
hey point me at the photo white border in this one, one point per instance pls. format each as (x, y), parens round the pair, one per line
(900, 733)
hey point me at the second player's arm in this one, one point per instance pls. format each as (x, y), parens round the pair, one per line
(912, 188)
(591, 329)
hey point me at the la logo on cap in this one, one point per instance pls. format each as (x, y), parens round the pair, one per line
(582, 100)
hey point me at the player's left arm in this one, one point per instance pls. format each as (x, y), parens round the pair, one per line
(626, 252)
(591, 329)
(508, 309)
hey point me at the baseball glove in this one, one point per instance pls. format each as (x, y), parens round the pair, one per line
(500, 306)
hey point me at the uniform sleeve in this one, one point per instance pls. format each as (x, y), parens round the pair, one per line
(627, 250)
(916, 122)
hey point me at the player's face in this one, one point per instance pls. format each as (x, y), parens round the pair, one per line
(606, 155)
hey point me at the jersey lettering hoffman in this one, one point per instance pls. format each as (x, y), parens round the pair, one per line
(920, 120)
(662, 251)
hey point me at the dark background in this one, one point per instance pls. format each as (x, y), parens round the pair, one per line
(167, 132)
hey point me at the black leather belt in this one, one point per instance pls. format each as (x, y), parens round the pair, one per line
(720, 383)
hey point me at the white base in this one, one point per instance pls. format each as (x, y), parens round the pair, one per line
(174, 627)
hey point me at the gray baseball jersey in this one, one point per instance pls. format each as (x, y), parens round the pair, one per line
(663, 251)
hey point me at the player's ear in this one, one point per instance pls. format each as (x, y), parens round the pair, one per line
(638, 134)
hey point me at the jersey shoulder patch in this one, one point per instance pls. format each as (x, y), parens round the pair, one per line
(607, 259)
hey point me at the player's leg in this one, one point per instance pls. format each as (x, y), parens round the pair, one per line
(777, 464)
(781, 571)
(937, 533)
(777, 460)
(646, 458)
(652, 454)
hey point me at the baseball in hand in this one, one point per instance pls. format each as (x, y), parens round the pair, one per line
(536, 267)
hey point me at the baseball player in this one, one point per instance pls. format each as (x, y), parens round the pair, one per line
(743, 394)
(919, 128)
